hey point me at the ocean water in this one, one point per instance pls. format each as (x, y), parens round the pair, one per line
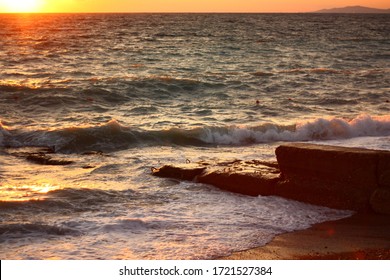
(119, 94)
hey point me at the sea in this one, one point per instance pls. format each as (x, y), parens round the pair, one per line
(117, 95)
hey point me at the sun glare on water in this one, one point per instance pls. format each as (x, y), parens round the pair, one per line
(26, 192)
(20, 6)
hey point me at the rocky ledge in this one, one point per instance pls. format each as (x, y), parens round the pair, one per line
(337, 177)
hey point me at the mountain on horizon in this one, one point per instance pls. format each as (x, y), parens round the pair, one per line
(355, 10)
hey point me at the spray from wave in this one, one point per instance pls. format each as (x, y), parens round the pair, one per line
(318, 129)
(113, 136)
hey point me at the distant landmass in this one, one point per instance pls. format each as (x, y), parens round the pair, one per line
(354, 10)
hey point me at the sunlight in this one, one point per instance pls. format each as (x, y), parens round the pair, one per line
(21, 6)
(26, 192)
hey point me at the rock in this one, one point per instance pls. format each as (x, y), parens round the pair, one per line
(185, 172)
(384, 171)
(384, 179)
(332, 176)
(353, 166)
(337, 177)
(252, 183)
(93, 153)
(380, 200)
(250, 177)
(39, 155)
(47, 160)
(324, 193)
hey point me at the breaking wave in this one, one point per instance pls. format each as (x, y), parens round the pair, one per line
(70, 200)
(33, 229)
(113, 136)
(318, 129)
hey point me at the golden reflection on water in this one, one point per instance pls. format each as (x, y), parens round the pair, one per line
(25, 83)
(22, 193)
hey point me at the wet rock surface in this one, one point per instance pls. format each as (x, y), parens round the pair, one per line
(336, 177)
(245, 177)
(40, 155)
(47, 160)
(48, 156)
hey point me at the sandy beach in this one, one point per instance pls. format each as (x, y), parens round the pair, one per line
(360, 237)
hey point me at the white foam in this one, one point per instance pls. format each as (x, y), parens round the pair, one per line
(318, 129)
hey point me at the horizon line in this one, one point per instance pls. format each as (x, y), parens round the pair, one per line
(184, 12)
(336, 10)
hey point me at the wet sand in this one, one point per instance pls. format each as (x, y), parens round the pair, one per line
(362, 236)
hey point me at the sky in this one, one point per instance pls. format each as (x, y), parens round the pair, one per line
(181, 5)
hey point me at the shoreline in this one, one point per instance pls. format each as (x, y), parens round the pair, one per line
(363, 236)
(337, 177)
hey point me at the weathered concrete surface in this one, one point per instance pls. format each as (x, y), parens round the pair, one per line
(336, 177)
(344, 177)
(352, 166)
(384, 170)
(325, 193)
(380, 200)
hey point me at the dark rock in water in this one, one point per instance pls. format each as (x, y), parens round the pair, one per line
(93, 153)
(250, 178)
(336, 177)
(88, 166)
(245, 177)
(46, 150)
(186, 172)
(39, 155)
(250, 183)
(47, 160)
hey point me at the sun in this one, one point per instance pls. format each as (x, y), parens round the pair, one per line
(20, 6)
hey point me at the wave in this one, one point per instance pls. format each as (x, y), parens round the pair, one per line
(99, 90)
(107, 137)
(33, 229)
(332, 71)
(315, 71)
(113, 136)
(71, 200)
(318, 129)
(132, 225)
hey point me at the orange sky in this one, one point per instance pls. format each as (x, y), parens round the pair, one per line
(184, 5)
